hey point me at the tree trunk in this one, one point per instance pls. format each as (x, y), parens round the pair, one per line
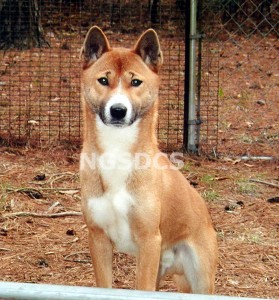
(20, 25)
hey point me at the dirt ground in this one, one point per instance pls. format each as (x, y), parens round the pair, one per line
(242, 198)
(44, 240)
(248, 97)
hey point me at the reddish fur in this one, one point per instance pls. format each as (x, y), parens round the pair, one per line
(167, 209)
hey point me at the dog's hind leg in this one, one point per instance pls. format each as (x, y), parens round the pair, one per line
(181, 283)
(198, 269)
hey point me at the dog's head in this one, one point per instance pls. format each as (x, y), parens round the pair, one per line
(120, 85)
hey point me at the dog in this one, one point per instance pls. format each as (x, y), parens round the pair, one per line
(148, 210)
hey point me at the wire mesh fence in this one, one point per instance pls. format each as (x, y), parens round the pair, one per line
(237, 73)
(40, 68)
(240, 69)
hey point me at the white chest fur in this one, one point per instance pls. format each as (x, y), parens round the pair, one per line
(111, 210)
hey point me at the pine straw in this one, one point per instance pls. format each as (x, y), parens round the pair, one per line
(248, 251)
(55, 251)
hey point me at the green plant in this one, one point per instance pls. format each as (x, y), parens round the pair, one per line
(208, 179)
(255, 238)
(252, 235)
(221, 235)
(220, 92)
(210, 195)
(244, 186)
(186, 168)
(3, 195)
(244, 138)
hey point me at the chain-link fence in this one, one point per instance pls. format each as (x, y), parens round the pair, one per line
(40, 68)
(237, 69)
(240, 68)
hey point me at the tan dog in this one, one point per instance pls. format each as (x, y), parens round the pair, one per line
(145, 209)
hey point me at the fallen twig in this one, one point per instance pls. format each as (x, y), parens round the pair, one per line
(41, 215)
(19, 190)
(59, 176)
(31, 192)
(37, 193)
(264, 182)
(53, 206)
(67, 257)
(4, 249)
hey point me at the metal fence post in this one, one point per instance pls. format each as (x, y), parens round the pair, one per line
(190, 128)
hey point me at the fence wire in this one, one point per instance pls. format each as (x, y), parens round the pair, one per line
(240, 72)
(40, 69)
(236, 69)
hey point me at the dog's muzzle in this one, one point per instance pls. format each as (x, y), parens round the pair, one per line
(118, 112)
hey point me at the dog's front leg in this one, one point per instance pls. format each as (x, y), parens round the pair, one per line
(101, 253)
(148, 261)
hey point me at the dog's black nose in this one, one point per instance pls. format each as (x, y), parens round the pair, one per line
(118, 111)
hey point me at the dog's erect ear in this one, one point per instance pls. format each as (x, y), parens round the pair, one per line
(148, 47)
(95, 45)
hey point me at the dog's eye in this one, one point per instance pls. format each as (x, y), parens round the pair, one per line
(136, 82)
(103, 81)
